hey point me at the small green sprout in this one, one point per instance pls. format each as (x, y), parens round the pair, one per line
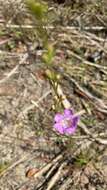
(49, 55)
(81, 160)
(37, 8)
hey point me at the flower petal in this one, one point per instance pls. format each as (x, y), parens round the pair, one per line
(59, 128)
(58, 117)
(68, 112)
(75, 120)
(70, 130)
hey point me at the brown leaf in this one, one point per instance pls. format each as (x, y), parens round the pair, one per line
(31, 172)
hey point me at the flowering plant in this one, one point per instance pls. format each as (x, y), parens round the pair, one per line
(66, 123)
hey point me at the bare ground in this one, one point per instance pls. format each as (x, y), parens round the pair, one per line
(32, 155)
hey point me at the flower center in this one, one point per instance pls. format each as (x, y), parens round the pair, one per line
(66, 123)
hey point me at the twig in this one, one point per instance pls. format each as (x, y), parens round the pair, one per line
(94, 28)
(56, 177)
(48, 175)
(66, 184)
(51, 170)
(98, 103)
(2, 42)
(91, 136)
(47, 167)
(6, 171)
(35, 104)
(22, 60)
(60, 93)
(86, 62)
(13, 71)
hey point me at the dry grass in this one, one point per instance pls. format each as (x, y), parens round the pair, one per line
(27, 139)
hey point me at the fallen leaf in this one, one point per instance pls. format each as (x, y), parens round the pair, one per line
(31, 172)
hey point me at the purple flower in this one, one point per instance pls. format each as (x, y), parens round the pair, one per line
(66, 123)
